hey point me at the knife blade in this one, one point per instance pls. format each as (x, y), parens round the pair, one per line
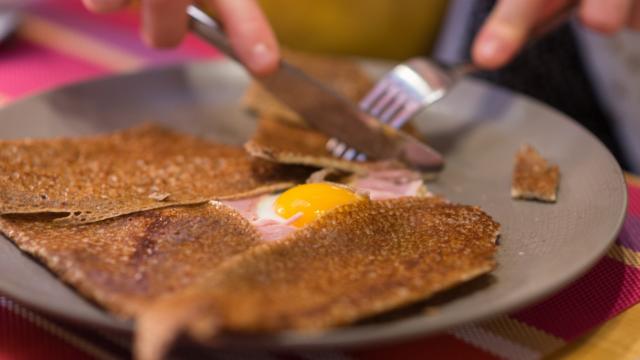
(326, 110)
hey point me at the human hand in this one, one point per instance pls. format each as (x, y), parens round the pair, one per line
(164, 24)
(510, 22)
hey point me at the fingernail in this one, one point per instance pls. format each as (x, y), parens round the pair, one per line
(491, 46)
(492, 49)
(262, 58)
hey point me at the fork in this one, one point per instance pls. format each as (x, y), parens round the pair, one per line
(402, 93)
(419, 82)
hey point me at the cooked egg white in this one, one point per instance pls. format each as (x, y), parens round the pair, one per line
(265, 209)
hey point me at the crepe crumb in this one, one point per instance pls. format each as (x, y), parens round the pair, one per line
(533, 177)
(159, 196)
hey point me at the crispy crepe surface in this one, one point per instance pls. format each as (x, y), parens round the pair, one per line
(533, 177)
(356, 261)
(142, 168)
(126, 262)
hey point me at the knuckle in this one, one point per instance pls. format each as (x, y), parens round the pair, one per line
(162, 41)
(101, 6)
(600, 23)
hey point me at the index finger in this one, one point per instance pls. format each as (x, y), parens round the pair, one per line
(250, 34)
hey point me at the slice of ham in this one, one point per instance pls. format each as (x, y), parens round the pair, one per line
(269, 229)
(272, 230)
(246, 207)
(388, 184)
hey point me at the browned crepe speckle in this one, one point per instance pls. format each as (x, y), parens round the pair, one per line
(356, 261)
(342, 74)
(126, 262)
(533, 177)
(141, 168)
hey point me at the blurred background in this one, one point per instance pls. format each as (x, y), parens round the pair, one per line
(394, 29)
(592, 78)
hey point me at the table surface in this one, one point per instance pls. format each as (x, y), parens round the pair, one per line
(76, 46)
(615, 339)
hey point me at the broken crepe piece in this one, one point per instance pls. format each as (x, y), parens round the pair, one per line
(533, 177)
(356, 261)
(342, 74)
(141, 168)
(127, 262)
(287, 143)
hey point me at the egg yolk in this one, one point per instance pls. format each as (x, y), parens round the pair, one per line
(312, 201)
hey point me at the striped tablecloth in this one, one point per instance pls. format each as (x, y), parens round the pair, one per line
(58, 42)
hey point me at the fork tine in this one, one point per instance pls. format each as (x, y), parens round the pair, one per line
(409, 109)
(339, 150)
(350, 154)
(393, 100)
(397, 104)
(384, 101)
(361, 157)
(374, 94)
(331, 144)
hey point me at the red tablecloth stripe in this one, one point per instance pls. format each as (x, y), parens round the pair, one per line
(22, 72)
(606, 290)
(22, 340)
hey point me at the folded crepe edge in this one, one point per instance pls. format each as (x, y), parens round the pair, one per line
(79, 217)
(161, 324)
(195, 313)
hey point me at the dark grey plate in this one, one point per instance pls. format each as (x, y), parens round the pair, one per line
(478, 128)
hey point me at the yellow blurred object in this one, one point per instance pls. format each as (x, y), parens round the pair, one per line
(395, 29)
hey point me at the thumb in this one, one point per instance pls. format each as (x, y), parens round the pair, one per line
(505, 31)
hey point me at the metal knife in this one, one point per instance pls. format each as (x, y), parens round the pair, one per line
(326, 110)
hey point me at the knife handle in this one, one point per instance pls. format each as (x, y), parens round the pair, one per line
(208, 29)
